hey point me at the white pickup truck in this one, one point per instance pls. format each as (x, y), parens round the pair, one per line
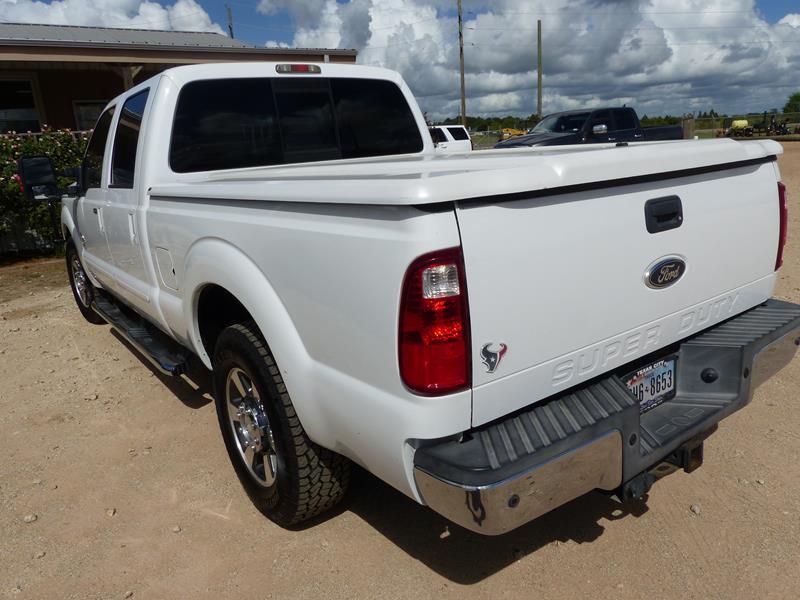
(492, 333)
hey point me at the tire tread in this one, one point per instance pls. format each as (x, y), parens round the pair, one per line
(303, 495)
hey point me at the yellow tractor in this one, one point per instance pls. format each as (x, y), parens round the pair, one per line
(509, 132)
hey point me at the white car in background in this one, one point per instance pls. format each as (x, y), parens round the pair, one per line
(451, 138)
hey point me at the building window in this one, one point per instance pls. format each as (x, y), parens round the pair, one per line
(87, 112)
(17, 106)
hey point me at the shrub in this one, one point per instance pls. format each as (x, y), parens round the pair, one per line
(64, 148)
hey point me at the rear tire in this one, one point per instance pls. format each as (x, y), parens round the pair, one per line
(287, 476)
(82, 289)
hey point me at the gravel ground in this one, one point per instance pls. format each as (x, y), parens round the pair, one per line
(114, 483)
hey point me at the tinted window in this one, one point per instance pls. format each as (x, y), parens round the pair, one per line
(17, 107)
(123, 161)
(225, 124)
(562, 123)
(602, 117)
(305, 116)
(234, 123)
(458, 133)
(373, 118)
(437, 135)
(625, 118)
(93, 159)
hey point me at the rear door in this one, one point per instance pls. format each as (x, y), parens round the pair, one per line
(559, 280)
(121, 211)
(626, 125)
(460, 137)
(90, 211)
(601, 117)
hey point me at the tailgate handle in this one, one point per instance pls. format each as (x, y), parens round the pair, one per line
(663, 214)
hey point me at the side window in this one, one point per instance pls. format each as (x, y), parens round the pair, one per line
(602, 117)
(458, 133)
(624, 118)
(93, 159)
(438, 135)
(126, 139)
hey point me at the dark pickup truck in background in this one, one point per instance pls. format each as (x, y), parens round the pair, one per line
(602, 125)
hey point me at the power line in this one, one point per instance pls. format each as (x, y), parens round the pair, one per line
(295, 29)
(619, 13)
(653, 28)
(167, 18)
(667, 44)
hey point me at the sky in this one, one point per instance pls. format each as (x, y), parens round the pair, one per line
(659, 56)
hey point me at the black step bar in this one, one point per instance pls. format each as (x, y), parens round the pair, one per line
(164, 353)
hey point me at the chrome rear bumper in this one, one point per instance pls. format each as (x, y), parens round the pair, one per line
(512, 471)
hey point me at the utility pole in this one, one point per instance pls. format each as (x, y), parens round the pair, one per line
(539, 68)
(230, 20)
(461, 60)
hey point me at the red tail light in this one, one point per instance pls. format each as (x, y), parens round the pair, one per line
(434, 341)
(784, 230)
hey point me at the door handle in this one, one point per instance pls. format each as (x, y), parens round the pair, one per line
(132, 228)
(663, 214)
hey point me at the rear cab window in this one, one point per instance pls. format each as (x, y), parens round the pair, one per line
(250, 122)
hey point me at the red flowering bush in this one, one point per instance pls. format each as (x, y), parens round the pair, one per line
(64, 148)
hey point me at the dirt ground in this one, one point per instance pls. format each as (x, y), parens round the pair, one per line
(114, 481)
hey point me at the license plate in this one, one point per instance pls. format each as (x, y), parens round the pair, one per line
(653, 384)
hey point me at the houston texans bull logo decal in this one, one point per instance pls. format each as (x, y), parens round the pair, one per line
(492, 358)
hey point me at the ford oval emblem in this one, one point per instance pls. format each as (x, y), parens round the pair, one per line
(664, 272)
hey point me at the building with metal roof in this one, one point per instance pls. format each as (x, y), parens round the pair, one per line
(62, 75)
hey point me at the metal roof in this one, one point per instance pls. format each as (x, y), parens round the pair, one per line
(26, 34)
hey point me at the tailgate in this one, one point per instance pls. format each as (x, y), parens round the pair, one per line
(559, 278)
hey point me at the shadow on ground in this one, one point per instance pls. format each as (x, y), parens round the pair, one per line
(453, 552)
(466, 557)
(193, 389)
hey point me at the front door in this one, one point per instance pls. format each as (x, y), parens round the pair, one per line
(122, 209)
(90, 212)
(602, 117)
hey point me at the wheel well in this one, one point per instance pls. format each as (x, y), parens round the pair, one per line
(217, 308)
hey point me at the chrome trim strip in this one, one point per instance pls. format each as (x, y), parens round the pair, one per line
(505, 505)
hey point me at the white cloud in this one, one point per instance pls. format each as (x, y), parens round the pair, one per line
(658, 55)
(182, 15)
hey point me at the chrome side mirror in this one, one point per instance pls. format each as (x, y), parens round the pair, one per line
(600, 129)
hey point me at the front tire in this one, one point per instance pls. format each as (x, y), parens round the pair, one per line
(287, 476)
(82, 289)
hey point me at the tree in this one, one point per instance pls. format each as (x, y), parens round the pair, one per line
(793, 105)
